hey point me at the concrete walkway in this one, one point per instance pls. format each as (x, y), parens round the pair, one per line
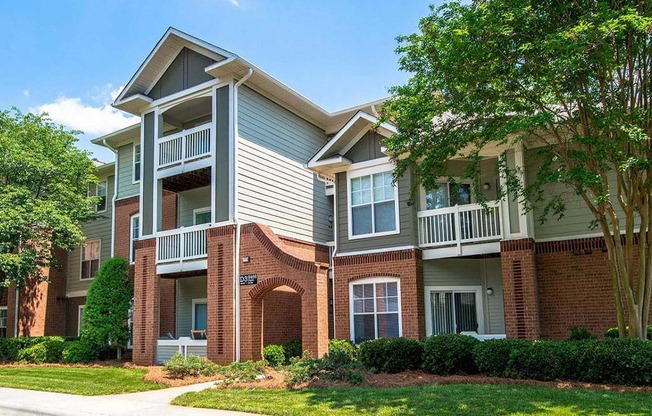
(149, 403)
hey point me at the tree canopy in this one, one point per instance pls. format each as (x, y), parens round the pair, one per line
(568, 82)
(44, 183)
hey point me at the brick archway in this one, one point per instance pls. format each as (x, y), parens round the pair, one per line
(270, 284)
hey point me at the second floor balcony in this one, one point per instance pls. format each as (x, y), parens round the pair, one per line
(460, 226)
(184, 147)
(182, 249)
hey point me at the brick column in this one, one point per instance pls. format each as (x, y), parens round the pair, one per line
(219, 295)
(520, 290)
(314, 316)
(146, 303)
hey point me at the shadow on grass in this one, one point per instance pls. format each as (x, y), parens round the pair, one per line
(477, 400)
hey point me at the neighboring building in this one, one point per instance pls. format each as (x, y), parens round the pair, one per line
(252, 214)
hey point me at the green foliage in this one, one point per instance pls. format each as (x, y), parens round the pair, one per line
(292, 349)
(107, 307)
(579, 333)
(44, 180)
(77, 352)
(49, 351)
(336, 346)
(492, 356)
(11, 347)
(391, 355)
(243, 372)
(613, 332)
(274, 355)
(337, 365)
(449, 354)
(193, 366)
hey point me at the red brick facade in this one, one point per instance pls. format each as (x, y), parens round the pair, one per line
(281, 316)
(405, 265)
(146, 303)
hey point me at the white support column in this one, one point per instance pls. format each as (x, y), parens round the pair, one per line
(525, 219)
(156, 189)
(213, 152)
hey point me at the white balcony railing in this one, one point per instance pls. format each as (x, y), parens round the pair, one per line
(182, 244)
(461, 224)
(184, 146)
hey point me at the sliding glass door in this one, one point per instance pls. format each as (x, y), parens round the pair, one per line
(454, 311)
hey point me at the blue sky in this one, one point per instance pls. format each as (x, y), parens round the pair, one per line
(69, 57)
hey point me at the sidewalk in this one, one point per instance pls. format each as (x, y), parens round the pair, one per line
(149, 403)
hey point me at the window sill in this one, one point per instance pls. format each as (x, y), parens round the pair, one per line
(371, 235)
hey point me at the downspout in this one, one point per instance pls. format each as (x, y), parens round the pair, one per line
(236, 268)
(115, 194)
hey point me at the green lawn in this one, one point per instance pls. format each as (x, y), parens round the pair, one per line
(463, 399)
(87, 381)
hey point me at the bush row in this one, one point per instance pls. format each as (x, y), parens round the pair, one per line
(40, 350)
(610, 361)
(279, 355)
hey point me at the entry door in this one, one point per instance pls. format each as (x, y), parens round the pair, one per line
(454, 312)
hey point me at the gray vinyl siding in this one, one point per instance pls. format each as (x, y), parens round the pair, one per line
(191, 200)
(188, 288)
(577, 216)
(186, 71)
(472, 272)
(99, 229)
(223, 153)
(407, 220)
(126, 187)
(367, 148)
(148, 180)
(274, 187)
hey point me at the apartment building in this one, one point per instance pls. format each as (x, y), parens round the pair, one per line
(252, 216)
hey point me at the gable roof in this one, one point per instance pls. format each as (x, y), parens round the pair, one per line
(332, 156)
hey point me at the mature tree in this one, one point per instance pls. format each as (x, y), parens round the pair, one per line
(571, 82)
(106, 313)
(44, 180)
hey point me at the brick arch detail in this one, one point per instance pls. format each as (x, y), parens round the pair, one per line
(270, 284)
(379, 275)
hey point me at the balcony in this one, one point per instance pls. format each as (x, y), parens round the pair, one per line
(461, 230)
(182, 249)
(184, 147)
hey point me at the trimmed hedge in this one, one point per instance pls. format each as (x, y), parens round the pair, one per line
(391, 355)
(274, 355)
(10, 348)
(613, 332)
(292, 349)
(49, 351)
(342, 346)
(449, 354)
(77, 352)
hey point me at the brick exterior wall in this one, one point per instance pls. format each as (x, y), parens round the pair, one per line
(168, 306)
(520, 291)
(281, 316)
(406, 265)
(42, 306)
(146, 303)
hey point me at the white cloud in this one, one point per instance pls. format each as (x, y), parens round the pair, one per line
(236, 3)
(26, 92)
(95, 120)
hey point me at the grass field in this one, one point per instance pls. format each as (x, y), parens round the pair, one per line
(462, 399)
(87, 381)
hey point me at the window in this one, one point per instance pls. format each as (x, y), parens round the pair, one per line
(136, 163)
(135, 232)
(199, 315)
(448, 195)
(451, 310)
(90, 259)
(99, 190)
(373, 205)
(202, 216)
(375, 309)
(80, 318)
(3, 321)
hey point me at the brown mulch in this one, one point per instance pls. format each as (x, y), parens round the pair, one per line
(157, 374)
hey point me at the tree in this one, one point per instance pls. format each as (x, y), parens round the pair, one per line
(106, 314)
(44, 180)
(571, 83)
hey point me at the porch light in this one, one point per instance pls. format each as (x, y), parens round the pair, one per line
(486, 186)
(490, 291)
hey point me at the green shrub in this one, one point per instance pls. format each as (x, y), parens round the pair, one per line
(48, 351)
(491, 357)
(579, 333)
(77, 352)
(292, 349)
(107, 307)
(274, 355)
(613, 332)
(193, 365)
(449, 354)
(244, 372)
(337, 346)
(338, 366)
(546, 360)
(10, 348)
(391, 355)
(617, 361)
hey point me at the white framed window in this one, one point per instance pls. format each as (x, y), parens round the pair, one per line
(446, 195)
(3, 321)
(372, 202)
(80, 318)
(454, 309)
(90, 259)
(133, 236)
(199, 314)
(136, 164)
(201, 216)
(375, 308)
(99, 190)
